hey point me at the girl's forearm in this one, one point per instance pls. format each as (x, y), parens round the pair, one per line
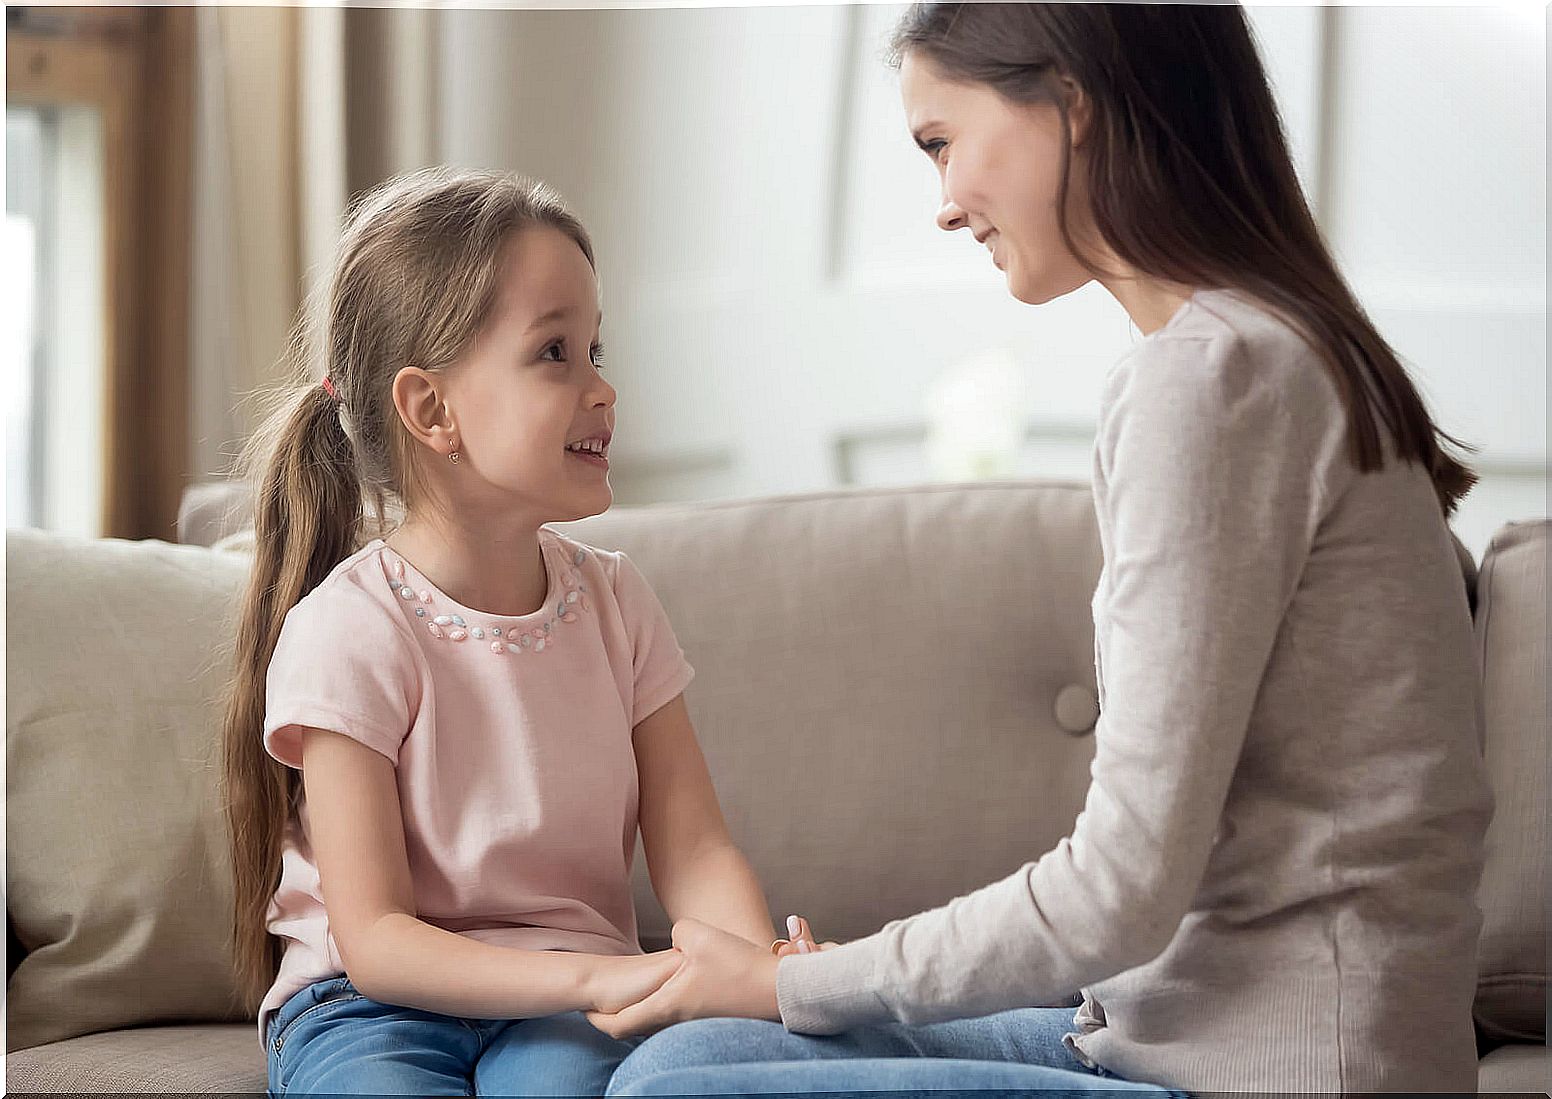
(406, 961)
(719, 887)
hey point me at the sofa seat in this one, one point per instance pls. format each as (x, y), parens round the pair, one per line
(228, 1058)
(218, 1057)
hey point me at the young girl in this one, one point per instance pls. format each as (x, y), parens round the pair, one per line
(1272, 884)
(444, 732)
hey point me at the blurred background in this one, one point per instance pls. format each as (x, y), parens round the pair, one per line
(781, 313)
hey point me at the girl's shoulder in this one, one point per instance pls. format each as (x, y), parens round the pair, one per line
(357, 599)
(609, 572)
(581, 558)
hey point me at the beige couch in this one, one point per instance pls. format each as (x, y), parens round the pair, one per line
(928, 650)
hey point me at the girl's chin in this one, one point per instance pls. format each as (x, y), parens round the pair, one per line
(596, 503)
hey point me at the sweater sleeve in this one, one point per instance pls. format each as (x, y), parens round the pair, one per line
(1208, 492)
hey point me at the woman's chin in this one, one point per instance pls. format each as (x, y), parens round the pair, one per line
(1023, 291)
(1032, 291)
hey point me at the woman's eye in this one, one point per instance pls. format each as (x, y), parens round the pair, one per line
(558, 346)
(932, 148)
(598, 355)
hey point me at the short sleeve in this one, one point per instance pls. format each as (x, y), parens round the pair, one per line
(659, 671)
(342, 664)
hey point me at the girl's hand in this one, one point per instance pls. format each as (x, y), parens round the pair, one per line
(802, 940)
(617, 983)
(722, 976)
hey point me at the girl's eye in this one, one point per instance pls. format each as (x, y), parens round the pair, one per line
(596, 353)
(932, 148)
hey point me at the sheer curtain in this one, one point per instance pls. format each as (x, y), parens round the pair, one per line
(297, 110)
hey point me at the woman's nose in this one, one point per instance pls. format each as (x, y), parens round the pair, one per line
(602, 394)
(951, 217)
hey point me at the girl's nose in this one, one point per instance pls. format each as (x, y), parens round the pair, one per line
(602, 394)
(951, 217)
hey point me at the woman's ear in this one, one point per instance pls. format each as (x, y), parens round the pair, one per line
(418, 400)
(1079, 109)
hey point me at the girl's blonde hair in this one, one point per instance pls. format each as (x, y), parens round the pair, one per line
(416, 277)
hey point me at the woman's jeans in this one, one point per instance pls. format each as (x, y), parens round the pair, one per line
(1013, 1051)
(329, 1039)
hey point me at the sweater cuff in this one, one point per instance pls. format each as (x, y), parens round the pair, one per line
(831, 991)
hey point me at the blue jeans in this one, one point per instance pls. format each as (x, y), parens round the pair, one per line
(330, 1039)
(1012, 1052)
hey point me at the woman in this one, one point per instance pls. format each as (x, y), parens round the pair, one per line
(1271, 885)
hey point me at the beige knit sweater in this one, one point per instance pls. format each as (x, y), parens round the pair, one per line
(1271, 885)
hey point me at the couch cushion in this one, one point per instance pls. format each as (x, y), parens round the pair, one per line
(1511, 626)
(186, 1059)
(1516, 1069)
(894, 689)
(118, 874)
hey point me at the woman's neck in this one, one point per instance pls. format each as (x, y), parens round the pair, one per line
(501, 573)
(1150, 302)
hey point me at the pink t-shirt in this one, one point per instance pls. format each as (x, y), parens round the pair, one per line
(512, 740)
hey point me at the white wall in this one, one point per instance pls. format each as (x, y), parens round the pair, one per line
(779, 304)
(1436, 139)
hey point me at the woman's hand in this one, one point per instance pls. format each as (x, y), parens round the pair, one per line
(616, 983)
(722, 976)
(802, 940)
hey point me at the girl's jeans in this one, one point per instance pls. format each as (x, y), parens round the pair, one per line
(1012, 1052)
(329, 1039)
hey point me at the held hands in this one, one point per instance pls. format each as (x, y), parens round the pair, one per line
(802, 941)
(721, 976)
(619, 982)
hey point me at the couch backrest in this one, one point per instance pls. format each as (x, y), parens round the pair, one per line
(894, 692)
(1511, 627)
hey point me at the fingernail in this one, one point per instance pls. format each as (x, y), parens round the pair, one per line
(803, 947)
(794, 928)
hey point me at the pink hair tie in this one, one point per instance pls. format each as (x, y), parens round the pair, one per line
(328, 387)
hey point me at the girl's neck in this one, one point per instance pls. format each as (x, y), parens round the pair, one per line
(500, 573)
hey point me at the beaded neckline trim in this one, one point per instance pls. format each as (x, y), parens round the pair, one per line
(505, 640)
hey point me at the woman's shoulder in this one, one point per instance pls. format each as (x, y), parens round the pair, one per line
(1225, 349)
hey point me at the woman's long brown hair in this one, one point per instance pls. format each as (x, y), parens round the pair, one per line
(1190, 179)
(417, 273)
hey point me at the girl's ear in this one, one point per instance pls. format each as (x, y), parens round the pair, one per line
(418, 400)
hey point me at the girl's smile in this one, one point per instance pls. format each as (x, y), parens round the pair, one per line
(594, 450)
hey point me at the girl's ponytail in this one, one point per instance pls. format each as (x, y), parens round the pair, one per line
(307, 518)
